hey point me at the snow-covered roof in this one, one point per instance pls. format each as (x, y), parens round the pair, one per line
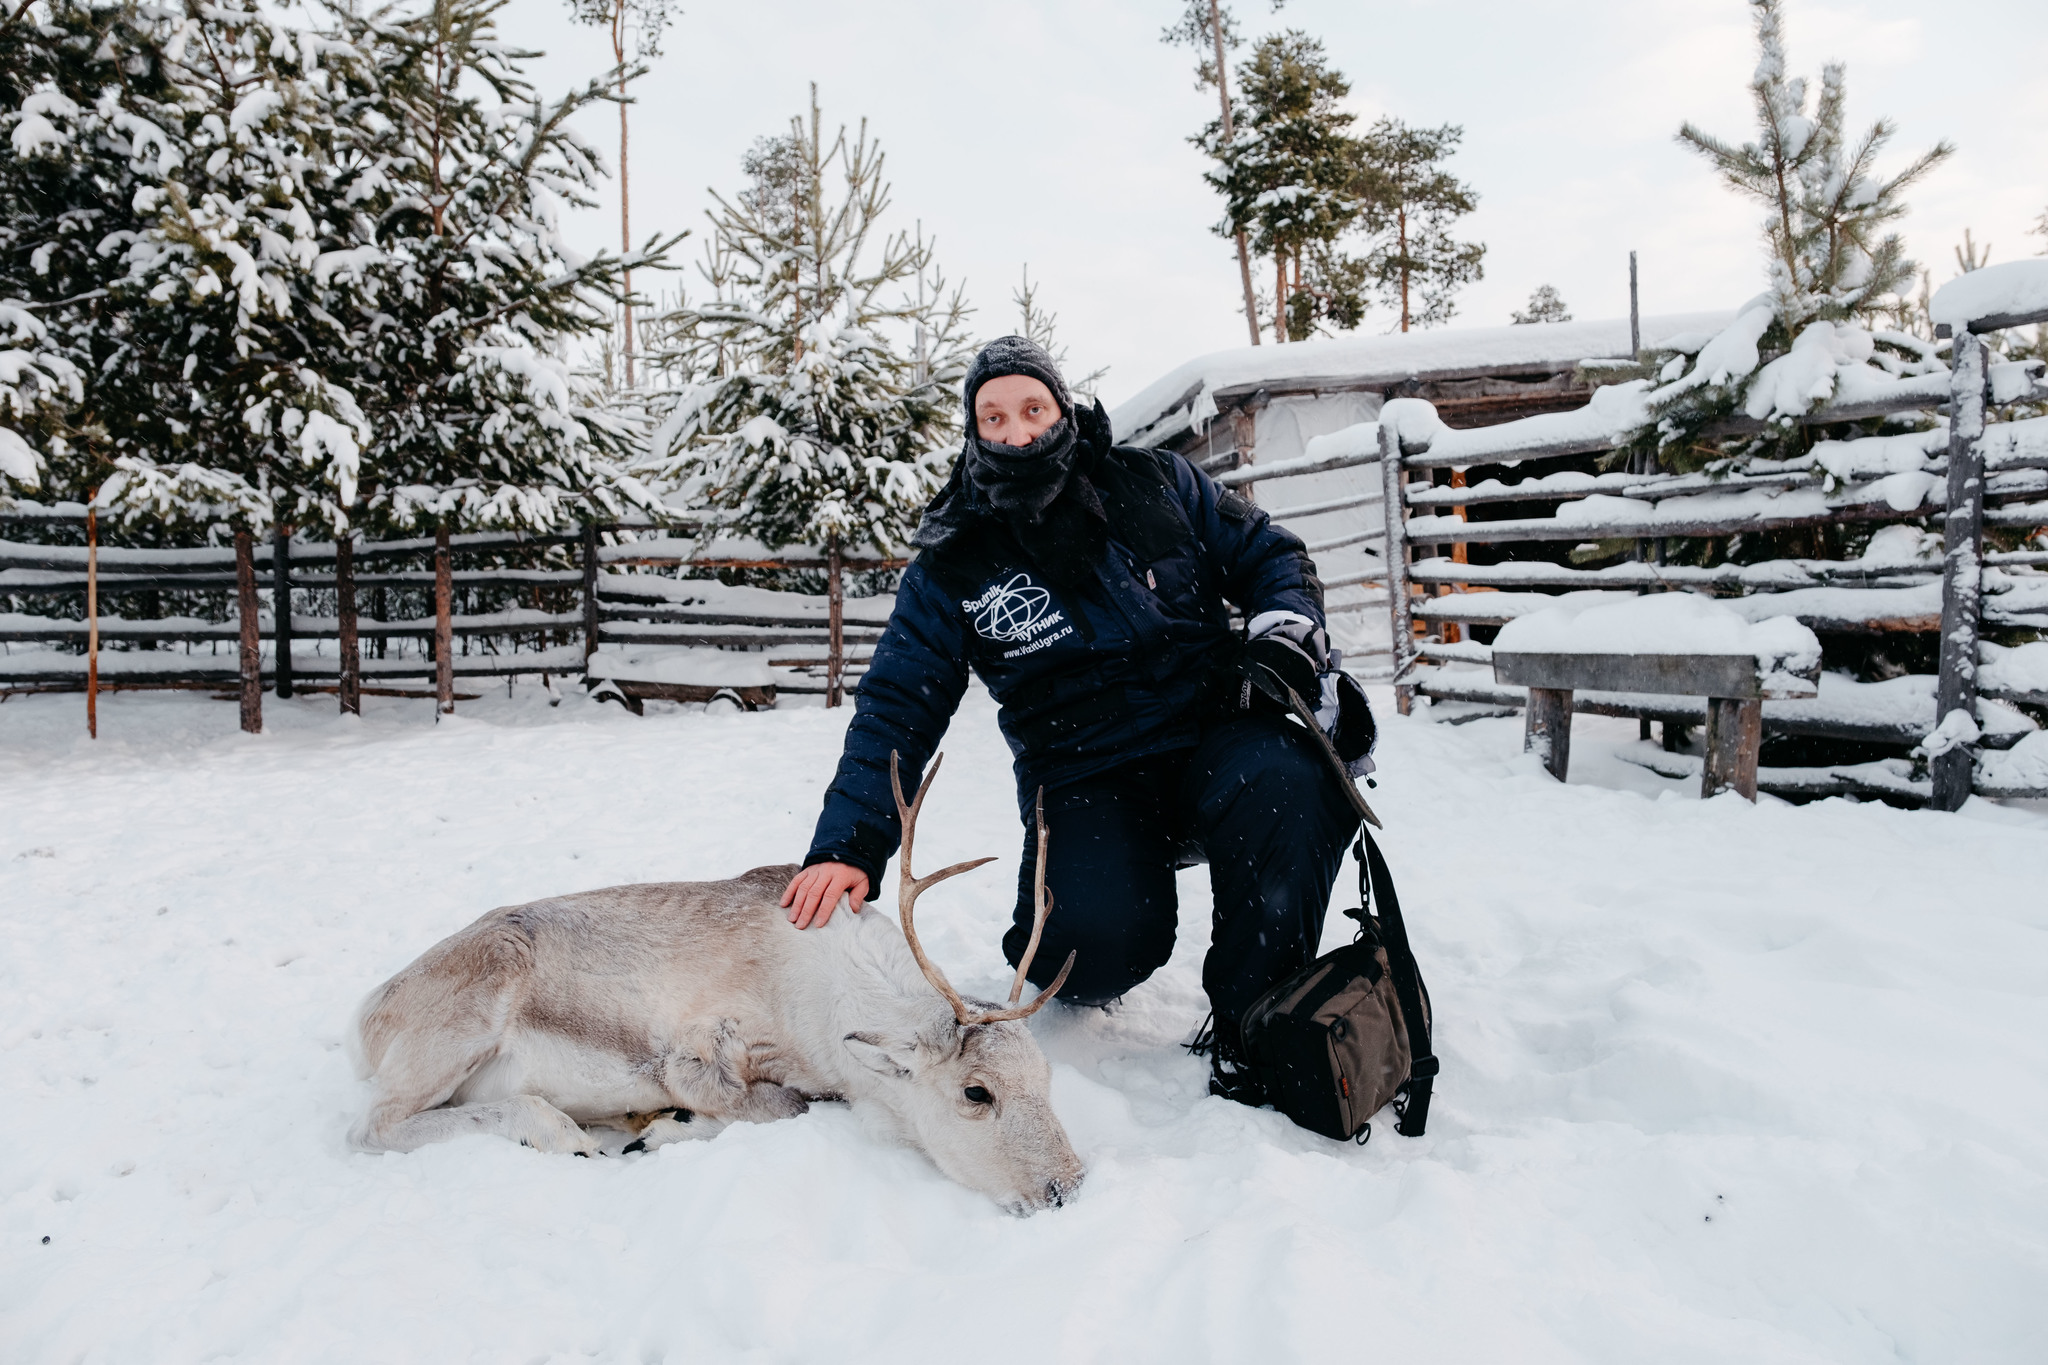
(1361, 361)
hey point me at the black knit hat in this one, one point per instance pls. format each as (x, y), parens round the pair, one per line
(1015, 355)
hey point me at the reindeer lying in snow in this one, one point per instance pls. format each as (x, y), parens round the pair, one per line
(666, 1011)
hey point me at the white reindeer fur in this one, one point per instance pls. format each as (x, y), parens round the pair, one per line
(609, 1009)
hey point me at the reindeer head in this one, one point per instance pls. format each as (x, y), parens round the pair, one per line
(975, 1093)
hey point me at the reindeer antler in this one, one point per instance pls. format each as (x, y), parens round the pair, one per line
(910, 886)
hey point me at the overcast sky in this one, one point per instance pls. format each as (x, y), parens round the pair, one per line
(1055, 133)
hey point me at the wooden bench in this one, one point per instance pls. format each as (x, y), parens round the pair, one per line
(1731, 684)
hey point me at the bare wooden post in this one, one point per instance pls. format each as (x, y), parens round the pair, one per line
(1635, 313)
(835, 613)
(590, 618)
(92, 620)
(349, 684)
(1962, 571)
(1547, 728)
(252, 640)
(444, 625)
(1735, 736)
(1244, 434)
(281, 605)
(1393, 507)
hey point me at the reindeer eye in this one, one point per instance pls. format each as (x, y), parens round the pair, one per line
(976, 1095)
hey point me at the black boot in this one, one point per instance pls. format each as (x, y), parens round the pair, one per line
(1231, 1076)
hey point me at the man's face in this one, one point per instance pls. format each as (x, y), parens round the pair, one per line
(1013, 410)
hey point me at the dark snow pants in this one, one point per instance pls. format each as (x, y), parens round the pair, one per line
(1256, 797)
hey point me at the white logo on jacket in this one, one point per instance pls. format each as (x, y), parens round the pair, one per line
(1011, 611)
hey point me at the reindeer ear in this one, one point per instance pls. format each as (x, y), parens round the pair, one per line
(884, 1057)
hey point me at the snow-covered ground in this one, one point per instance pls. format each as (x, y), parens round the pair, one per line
(1720, 1082)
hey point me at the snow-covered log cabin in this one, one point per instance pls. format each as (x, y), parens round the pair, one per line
(1262, 406)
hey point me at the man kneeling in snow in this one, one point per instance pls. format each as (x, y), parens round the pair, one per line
(1085, 584)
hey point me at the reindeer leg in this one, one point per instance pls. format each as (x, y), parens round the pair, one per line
(714, 1081)
(416, 1078)
(528, 1120)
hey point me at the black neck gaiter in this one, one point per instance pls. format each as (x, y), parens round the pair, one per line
(1021, 481)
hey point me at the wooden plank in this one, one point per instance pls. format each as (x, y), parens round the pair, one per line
(1735, 734)
(1315, 509)
(1552, 530)
(1339, 542)
(1931, 391)
(628, 634)
(1529, 490)
(1692, 675)
(754, 698)
(1771, 575)
(1547, 729)
(1287, 469)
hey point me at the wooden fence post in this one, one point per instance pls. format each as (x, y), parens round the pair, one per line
(1393, 508)
(349, 680)
(444, 626)
(252, 640)
(1735, 737)
(1244, 429)
(835, 611)
(1547, 729)
(281, 604)
(1962, 571)
(590, 617)
(92, 619)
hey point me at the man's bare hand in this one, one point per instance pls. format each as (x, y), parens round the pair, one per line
(813, 894)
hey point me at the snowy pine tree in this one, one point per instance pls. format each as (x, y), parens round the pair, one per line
(1827, 210)
(235, 380)
(1294, 177)
(83, 101)
(38, 385)
(810, 412)
(1545, 305)
(1415, 262)
(480, 419)
(1833, 268)
(1210, 29)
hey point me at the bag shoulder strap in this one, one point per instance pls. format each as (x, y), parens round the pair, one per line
(1413, 1102)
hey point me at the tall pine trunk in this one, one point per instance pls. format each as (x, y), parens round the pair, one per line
(252, 639)
(350, 683)
(444, 625)
(1244, 253)
(1279, 297)
(1402, 215)
(625, 211)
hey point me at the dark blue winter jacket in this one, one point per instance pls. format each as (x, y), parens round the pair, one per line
(1086, 680)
